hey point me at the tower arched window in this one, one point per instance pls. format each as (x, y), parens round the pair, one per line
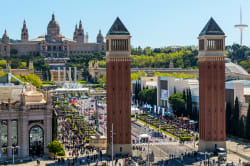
(215, 44)
(201, 44)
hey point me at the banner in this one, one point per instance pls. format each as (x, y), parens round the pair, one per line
(163, 111)
(164, 94)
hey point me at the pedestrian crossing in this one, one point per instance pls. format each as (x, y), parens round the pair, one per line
(156, 143)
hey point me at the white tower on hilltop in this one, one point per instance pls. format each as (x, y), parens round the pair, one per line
(241, 27)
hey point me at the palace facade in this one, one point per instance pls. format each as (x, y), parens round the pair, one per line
(53, 44)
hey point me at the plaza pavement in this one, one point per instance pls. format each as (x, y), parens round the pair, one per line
(236, 150)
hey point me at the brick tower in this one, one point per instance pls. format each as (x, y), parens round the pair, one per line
(118, 89)
(212, 124)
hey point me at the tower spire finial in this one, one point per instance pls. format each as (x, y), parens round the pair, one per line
(53, 16)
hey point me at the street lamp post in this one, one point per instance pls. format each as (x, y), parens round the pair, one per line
(205, 156)
(112, 144)
(148, 152)
(13, 153)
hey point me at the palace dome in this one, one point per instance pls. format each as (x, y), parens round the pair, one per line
(53, 27)
(234, 68)
(5, 38)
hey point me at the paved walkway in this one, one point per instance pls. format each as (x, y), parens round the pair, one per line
(239, 148)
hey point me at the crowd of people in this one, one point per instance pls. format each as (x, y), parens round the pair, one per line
(76, 146)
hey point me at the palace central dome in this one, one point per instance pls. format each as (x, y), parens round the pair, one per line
(53, 27)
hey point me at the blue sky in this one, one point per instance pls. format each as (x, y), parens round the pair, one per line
(155, 23)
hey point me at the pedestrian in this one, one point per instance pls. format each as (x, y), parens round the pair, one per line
(166, 162)
(68, 162)
(38, 162)
(116, 160)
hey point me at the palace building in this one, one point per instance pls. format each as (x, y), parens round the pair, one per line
(53, 44)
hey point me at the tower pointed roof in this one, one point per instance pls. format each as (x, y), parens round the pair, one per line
(118, 28)
(5, 38)
(5, 35)
(211, 28)
(100, 34)
(24, 25)
(80, 24)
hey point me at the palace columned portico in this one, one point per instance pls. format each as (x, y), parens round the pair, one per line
(25, 121)
(25, 129)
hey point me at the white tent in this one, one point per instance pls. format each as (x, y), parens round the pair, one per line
(144, 137)
(134, 110)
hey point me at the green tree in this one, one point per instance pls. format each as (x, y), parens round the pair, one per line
(148, 96)
(160, 58)
(195, 114)
(3, 73)
(228, 118)
(102, 81)
(31, 78)
(102, 64)
(56, 148)
(185, 98)
(177, 102)
(189, 111)
(245, 64)
(15, 63)
(174, 90)
(3, 64)
(22, 65)
(235, 121)
(54, 126)
(241, 128)
(247, 128)
(137, 90)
